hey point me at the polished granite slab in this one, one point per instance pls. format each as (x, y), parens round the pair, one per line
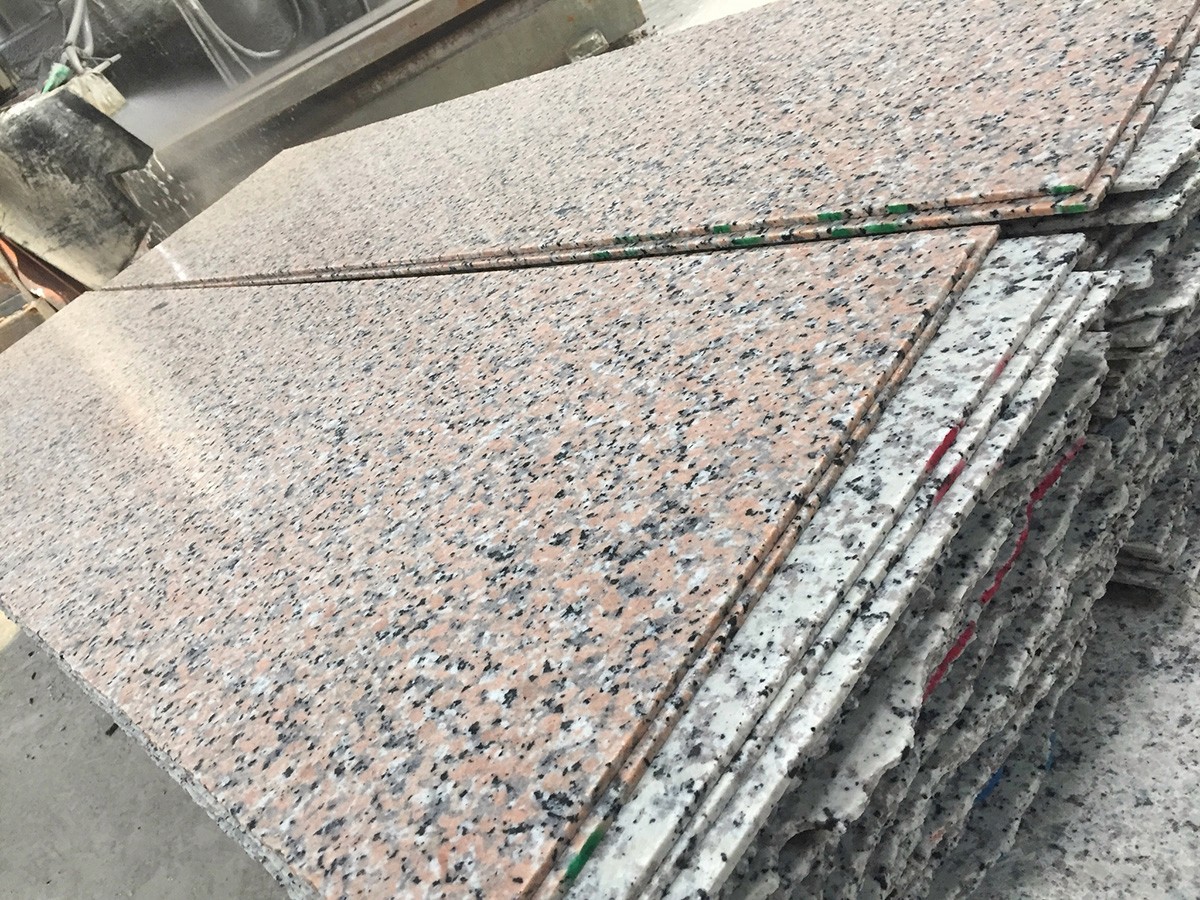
(799, 118)
(781, 765)
(1171, 139)
(393, 575)
(949, 386)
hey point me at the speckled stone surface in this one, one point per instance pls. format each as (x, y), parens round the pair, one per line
(794, 113)
(402, 630)
(1170, 141)
(1174, 200)
(987, 326)
(956, 751)
(1118, 815)
(808, 727)
(832, 794)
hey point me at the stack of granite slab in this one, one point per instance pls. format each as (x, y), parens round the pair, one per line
(488, 503)
(1148, 230)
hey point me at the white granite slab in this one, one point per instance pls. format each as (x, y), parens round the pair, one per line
(1171, 140)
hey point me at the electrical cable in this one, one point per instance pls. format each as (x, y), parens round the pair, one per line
(224, 51)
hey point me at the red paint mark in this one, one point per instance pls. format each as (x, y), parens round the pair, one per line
(946, 444)
(949, 482)
(944, 666)
(1001, 366)
(1043, 487)
(1056, 473)
(1039, 492)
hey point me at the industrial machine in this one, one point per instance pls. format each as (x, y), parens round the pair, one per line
(122, 119)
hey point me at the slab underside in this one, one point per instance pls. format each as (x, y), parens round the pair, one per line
(1117, 815)
(395, 574)
(807, 118)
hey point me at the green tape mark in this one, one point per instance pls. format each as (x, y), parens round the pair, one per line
(1059, 189)
(896, 209)
(842, 232)
(721, 229)
(627, 239)
(633, 252)
(600, 255)
(1071, 209)
(749, 240)
(585, 852)
(829, 217)
(882, 228)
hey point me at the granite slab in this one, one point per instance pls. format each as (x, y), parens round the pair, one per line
(966, 561)
(1143, 256)
(965, 780)
(1117, 816)
(1170, 141)
(836, 788)
(1177, 196)
(725, 828)
(400, 633)
(830, 794)
(794, 114)
(987, 326)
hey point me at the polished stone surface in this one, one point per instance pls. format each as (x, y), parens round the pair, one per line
(895, 475)
(395, 574)
(800, 116)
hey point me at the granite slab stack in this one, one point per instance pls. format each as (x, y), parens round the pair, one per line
(538, 494)
(795, 121)
(1125, 767)
(838, 672)
(1147, 230)
(917, 781)
(399, 616)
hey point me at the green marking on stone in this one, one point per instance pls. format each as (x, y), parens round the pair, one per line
(829, 216)
(721, 229)
(748, 240)
(601, 255)
(842, 232)
(585, 852)
(1059, 189)
(882, 228)
(896, 209)
(633, 252)
(628, 239)
(1072, 209)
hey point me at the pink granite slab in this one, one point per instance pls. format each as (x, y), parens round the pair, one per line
(395, 574)
(795, 114)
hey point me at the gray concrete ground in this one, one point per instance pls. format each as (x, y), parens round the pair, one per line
(85, 813)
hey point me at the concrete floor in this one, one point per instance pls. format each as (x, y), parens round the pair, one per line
(85, 813)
